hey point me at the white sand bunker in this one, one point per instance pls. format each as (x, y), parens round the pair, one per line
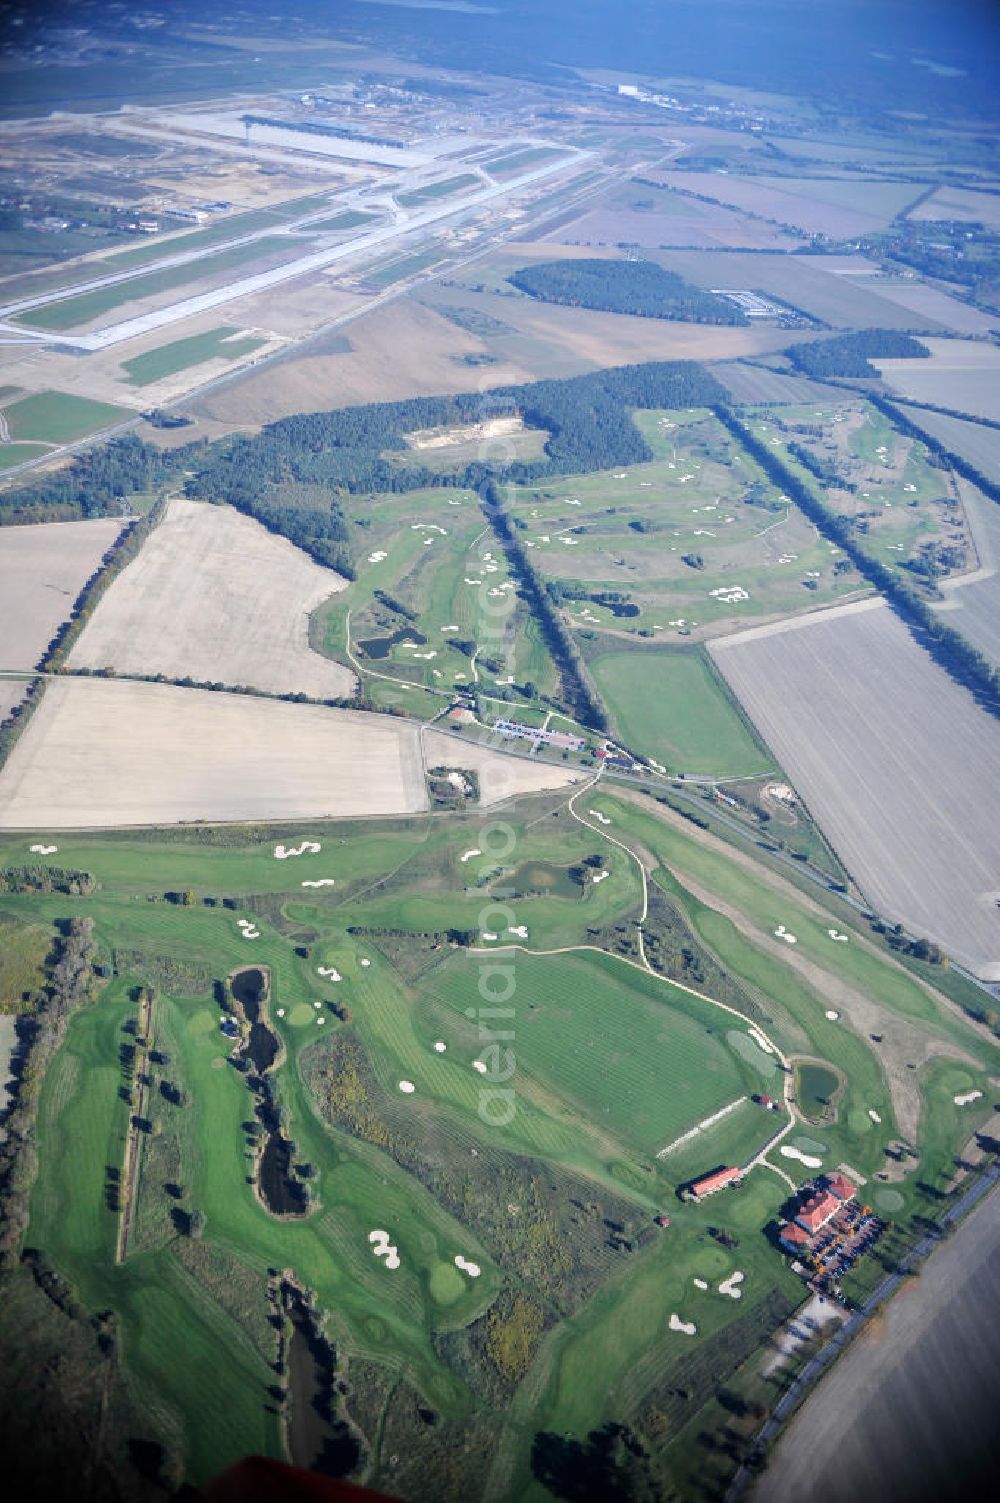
(439, 1046)
(969, 1096)
(804, 1158)
(282, 852)
(728, 1286)
(377, 556)
(320, 882)
(317, 1005)
(686, 1327)
(833, 1016)
(477, 1064)
(874, 1114)
(782, 933)
(281, 1012)
(468, 855)
(601, 818)
(43, 850)
(407, 1087)
(366, 961)
(248, 928)
(488, 934)
(836, 935)
(701, 1283)
(330, 972)
(600, 876)
(521, 930)
(320, 1022)
(383, 1248)
(472, 1269)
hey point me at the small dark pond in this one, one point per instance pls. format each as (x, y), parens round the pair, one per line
(541, 877)
(280, 1191)
(380, 647)
(249, 988)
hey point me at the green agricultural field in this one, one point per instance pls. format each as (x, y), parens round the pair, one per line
(440, 190)
(671, 706)
(568, 1323)
(59, 417)
(69, 312)
(179, 354)
(15, 454)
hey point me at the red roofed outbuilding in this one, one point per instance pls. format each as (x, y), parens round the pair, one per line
(717, 1180)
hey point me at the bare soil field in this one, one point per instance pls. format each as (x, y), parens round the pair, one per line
(402, 350)
(960, 374)
(896, 762)
(842, 300)
(42, 571)
(804, 204)
(906, 1413)
(213, 595)
(408, 349)
(102, 754)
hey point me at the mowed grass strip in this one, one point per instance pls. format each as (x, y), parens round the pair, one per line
(59, 417)
(632, 1053)
(71, 311)
(179, 354)
(672, 705)
(439, 190)
(225, 229)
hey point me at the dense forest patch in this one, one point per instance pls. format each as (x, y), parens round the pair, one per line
(639, 287)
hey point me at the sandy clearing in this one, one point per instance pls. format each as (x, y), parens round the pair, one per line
(103, 753)
(910, 799)
(213, 595)
(500, 776)
(43, 568)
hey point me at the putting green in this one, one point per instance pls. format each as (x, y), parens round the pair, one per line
(447, 1284)
(301, 1014)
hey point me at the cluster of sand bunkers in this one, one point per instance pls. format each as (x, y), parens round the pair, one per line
(729, 1286)
(248, 928)
(383, 1248)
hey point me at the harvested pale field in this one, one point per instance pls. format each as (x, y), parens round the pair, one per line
(12, 691)
(972, 603)
(43, 568)
(501, 775)
(831, 207)
(103, 754)
(844, 301)
(963, 204)
(974, 442)
(896, 762)
(216, 597)
(755, 383)
(931, 307)
(961, 374)
(687, 223)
